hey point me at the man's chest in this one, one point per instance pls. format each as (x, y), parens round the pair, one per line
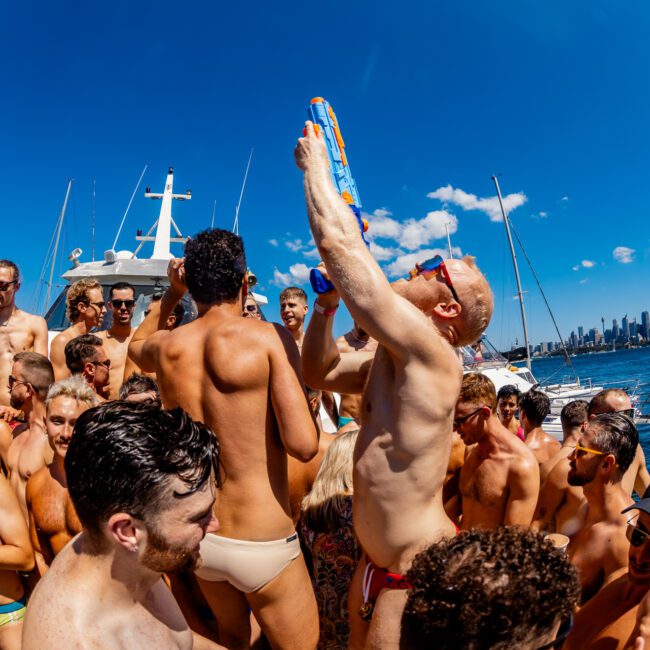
(54, 512)
(26, 455)
(14, 339)
(484, 480)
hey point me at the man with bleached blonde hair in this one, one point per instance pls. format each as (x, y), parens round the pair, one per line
(85, 309)
(404, 444)
(53, 521)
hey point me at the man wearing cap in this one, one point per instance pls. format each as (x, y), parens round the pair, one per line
(609, 618)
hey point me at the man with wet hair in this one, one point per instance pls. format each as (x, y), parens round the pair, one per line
(616, 400)
(53, 521)
(85, 309)
(604, 451)
(19, 330)
(116, 339)
(140, 388)
(293, 310)
(404, 443)
(25, 449)
(559, 502)
(534, 406)
(85, 356)
(499, 481)
(499, 589)
(142, 481)
(241, 376)
(609, 619)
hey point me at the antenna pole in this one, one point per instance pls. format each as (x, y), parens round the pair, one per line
(451, 255)
(241, 195)
(214, 209)
(520, 293)
(128, 207)
(56, 244)
(92, 248)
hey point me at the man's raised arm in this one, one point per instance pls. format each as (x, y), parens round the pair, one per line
(142, 349)
(323, 366)
(362, 285)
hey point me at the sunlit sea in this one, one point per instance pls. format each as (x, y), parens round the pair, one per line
(610, 369)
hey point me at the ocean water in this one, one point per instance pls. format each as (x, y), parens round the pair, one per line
(623, 368)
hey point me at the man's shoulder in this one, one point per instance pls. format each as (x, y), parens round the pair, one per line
(38, 481)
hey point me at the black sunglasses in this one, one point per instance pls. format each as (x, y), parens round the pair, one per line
(5, 285)
(117, 304)
(251, 308)
(635, 535)
(106, 364)
(459, 421)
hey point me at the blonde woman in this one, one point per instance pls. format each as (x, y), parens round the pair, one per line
(328, 536)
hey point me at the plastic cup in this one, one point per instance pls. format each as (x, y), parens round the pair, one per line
(558, 540)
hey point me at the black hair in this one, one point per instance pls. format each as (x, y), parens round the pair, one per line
(574, 413)
(178, 313)
(123, 455)
(215, 265)
(487, 589)
(137, 384)
(536, 405)
(79, 350)
(37, 370)
(509, 390)
(616, 434)
(118, 286)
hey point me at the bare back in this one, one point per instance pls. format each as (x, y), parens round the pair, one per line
(57, 350)
(23, 332)
(543, 445)
(232, 373)
(402, 451)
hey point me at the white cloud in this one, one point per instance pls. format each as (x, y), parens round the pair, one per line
(588, 264)
(420, 232)
(382, 253)
(311, 254)
(297, 274)
(489, 206)
(404, 263)
(542, 214)
(584, 281)
(274, 242)
(576, 267)
(294, 245)
(623, 254)
(382, 226)
(564, 198)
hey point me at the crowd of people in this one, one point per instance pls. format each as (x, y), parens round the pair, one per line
(232, 482)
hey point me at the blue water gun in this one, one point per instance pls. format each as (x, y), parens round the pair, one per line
(325, 122)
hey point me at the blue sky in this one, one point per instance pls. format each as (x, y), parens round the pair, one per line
(433, 98)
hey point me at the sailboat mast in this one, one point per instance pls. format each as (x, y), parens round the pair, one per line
(56, 244)
(520, 293)
(92, 248)
(235, 227)
(451, 255)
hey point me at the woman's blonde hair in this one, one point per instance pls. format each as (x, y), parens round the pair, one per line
(322, 507)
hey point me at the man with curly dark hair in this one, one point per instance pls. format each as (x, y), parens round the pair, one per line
(489, 589)
(240, 376)
(534, 406)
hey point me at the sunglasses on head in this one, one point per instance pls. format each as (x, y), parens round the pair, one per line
(434, 265)
(117, 304)
(5, 285)
(635, 535)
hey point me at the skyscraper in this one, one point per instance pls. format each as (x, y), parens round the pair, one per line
(645, 324)
(626, 327)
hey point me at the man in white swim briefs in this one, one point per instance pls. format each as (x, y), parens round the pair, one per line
(241, 377)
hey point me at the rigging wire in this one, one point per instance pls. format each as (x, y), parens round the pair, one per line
(128, 207)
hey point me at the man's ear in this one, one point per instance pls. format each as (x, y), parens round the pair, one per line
(447, 310)
(125, 530)
(89, 369)
(591, 417)
(609, 462)
(82, 307)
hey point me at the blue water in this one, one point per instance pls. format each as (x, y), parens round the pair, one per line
(610, 369)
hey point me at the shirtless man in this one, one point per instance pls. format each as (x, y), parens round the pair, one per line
(19, 331)
(28, 449)
(85, 356)
(507, 405)
(534, 406)
(140, 388)
(403, 446)
(251, 309)
(241, 377)
(15, 555)
(116, 339)
(608, 619)
(615, 400)
(559, 502)
(53, 521)
(604, 451)
(293, 310)
(499, 482)
(85, 311)
(353, 341)
(142, 482)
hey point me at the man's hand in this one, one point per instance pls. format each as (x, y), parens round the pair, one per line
(330, 299)
(311, 150)
(176, 275)
(7, 413)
